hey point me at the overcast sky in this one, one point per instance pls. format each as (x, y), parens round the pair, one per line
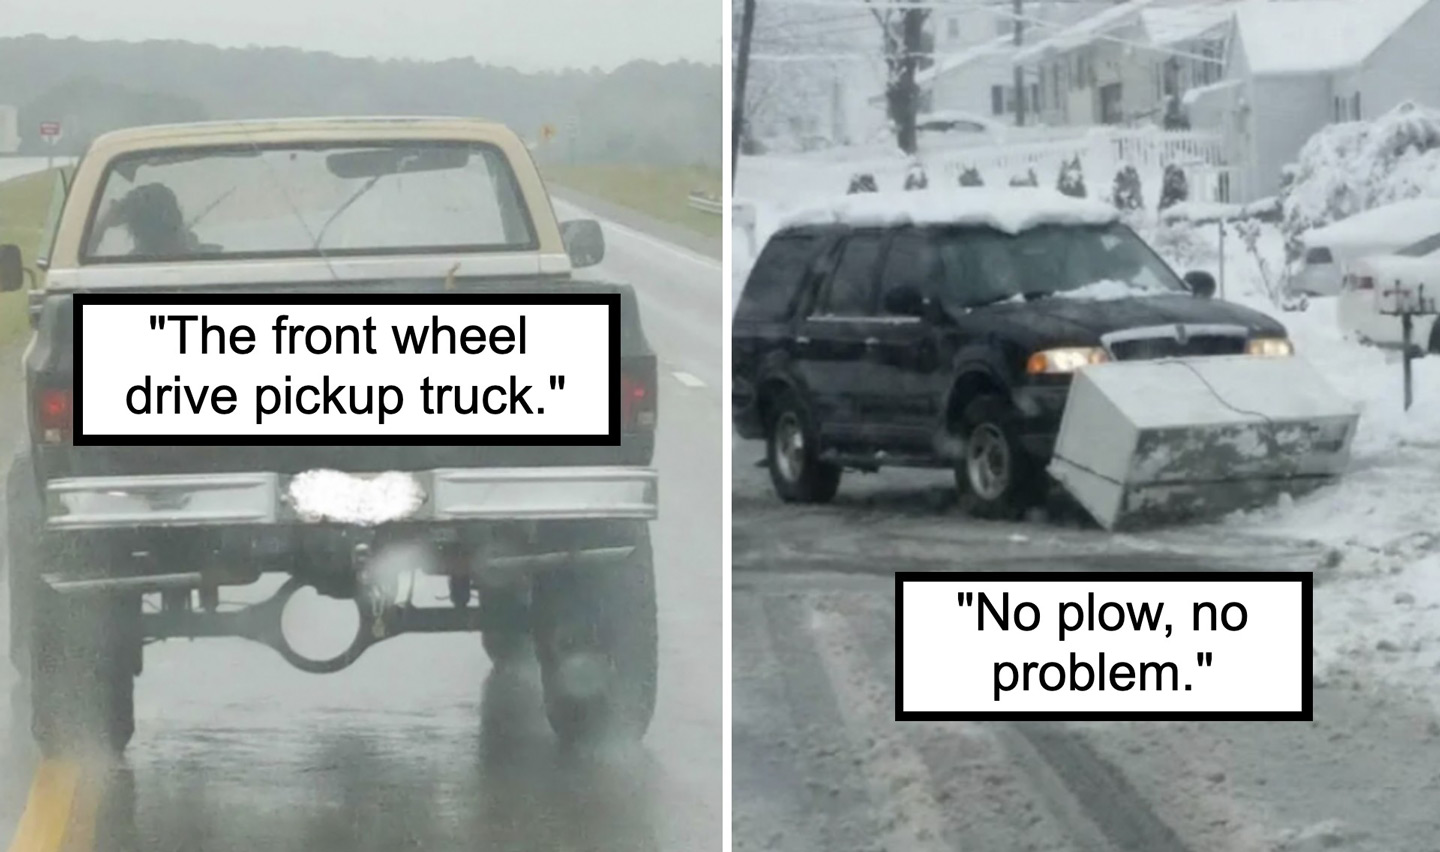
(528, 34)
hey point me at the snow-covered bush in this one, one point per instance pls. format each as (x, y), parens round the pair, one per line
(970, 176)
(1028, 180)
(1072, 179)
(1128, 194)
(1186, 245)
(1349, 168)
(915, 177)
(862, 182)
(1175, 187)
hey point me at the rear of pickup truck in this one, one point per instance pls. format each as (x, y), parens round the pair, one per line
(541, 547)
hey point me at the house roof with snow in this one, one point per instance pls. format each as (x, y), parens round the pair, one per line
(1307, 36)
(1000, 48)
(1159, 25)
(1167, 25)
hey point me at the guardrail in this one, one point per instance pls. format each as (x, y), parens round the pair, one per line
(705, 204)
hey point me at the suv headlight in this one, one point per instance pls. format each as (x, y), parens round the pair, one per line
(1066, 360)
(1270, 347)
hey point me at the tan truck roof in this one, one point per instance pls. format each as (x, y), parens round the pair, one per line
(296, 130)
(105, 148)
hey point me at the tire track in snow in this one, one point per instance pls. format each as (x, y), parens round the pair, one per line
(875, 784)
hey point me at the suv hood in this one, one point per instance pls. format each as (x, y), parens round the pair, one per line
(1063, 321)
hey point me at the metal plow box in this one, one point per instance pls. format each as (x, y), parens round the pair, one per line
(1144, 443)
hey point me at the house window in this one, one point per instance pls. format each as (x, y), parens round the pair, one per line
(1339, 109)
(1055, 84)
(1034, 97)
(1355, 106)
(1172, 77)
(997, 100)
(952, 28)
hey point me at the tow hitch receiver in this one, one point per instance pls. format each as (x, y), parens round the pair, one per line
(1144, 443)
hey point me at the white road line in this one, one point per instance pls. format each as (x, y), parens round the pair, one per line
(687, 380)
(682, 253)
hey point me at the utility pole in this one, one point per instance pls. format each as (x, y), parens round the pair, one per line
(742, 69)
(1019, 70)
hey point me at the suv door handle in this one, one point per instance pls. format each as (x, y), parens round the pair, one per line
(872, 342)
(802, 341)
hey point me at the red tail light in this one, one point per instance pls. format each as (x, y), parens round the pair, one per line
(54, 415)
(1360, 282)
(637, 395)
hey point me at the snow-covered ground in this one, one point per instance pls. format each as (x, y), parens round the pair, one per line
(1381, 523)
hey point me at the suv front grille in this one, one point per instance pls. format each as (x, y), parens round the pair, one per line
(1149, 348)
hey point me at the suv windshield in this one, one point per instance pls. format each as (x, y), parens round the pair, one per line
(1103, 261)
(298, 201)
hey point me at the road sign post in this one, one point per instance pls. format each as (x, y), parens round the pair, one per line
(50, 133)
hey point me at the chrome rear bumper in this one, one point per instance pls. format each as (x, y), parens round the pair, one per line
(449, 495)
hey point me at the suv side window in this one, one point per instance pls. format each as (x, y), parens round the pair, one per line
(779, 273)
(913, 260)
(852, 289)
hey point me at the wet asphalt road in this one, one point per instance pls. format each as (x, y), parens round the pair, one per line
(421, 745)
(820, 765)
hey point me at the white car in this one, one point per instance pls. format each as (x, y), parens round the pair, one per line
(1330, 251)
(1376, 286)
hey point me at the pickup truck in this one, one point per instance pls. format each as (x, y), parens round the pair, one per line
(545, 550)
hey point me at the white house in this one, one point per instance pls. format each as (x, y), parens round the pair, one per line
(1121, 66)
(1295, 66)
(975, 48)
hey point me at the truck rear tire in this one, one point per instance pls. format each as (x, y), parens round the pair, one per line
(596, 637)
(83, 665)
(506, 636)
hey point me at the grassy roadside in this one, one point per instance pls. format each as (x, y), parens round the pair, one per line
(654, 191)
(24, 206)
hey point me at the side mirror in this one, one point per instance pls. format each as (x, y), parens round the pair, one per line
(12, 269)
(1201, 284)
(906, 301)
(584, 242)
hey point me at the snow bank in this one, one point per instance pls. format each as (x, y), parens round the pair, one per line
(1003, 209)
(1397, 224)
(338, 497)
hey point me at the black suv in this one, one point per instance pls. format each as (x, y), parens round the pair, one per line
(859, 344)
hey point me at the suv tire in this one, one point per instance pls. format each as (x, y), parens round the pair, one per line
(792, 454)
(996, 477)
(83, 664)
(597, 637)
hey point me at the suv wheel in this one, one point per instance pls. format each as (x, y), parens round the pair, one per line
(596, 636)
(792, 454)
(995, 475)
(83, 663)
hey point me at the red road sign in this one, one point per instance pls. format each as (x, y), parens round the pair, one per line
(49, 129)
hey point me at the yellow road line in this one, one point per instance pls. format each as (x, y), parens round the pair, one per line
(60, 812)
